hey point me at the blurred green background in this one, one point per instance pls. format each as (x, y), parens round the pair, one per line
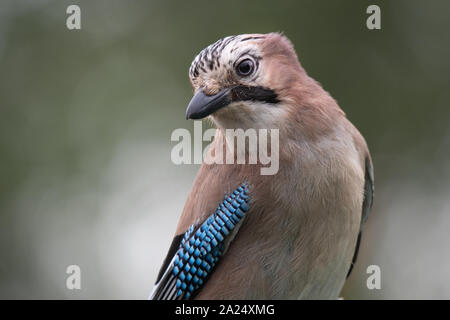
(86, 118)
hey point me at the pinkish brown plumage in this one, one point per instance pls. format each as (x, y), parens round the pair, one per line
(300, 234)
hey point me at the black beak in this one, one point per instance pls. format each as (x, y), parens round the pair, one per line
(202, 105)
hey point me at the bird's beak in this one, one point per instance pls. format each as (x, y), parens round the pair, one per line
(203, 105)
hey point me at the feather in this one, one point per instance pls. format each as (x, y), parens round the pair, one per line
(201, 249)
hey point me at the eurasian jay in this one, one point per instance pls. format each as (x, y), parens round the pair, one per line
(291, 235)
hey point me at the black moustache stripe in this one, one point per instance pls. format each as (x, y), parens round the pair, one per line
(247, 93)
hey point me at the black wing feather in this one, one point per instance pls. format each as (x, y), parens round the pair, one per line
(193, 256)
(172, 250)
(369, 189)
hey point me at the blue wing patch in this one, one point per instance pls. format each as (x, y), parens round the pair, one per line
(201, 249)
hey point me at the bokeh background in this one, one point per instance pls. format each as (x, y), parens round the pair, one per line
(86, 118)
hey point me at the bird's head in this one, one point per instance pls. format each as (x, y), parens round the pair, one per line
(244, 81)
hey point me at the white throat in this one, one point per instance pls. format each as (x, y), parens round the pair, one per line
(250, 115)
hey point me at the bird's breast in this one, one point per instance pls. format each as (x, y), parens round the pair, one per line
(298, 238)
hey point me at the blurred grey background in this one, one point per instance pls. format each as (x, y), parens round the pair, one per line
(86, 118)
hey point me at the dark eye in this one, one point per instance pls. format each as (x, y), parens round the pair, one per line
(245, 67)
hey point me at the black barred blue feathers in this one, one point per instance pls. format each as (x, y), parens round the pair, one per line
(200, 250)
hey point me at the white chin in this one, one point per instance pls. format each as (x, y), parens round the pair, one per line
(249, 114)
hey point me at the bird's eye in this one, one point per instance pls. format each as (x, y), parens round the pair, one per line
(245, 68)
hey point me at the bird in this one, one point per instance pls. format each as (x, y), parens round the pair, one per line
(290, 235)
